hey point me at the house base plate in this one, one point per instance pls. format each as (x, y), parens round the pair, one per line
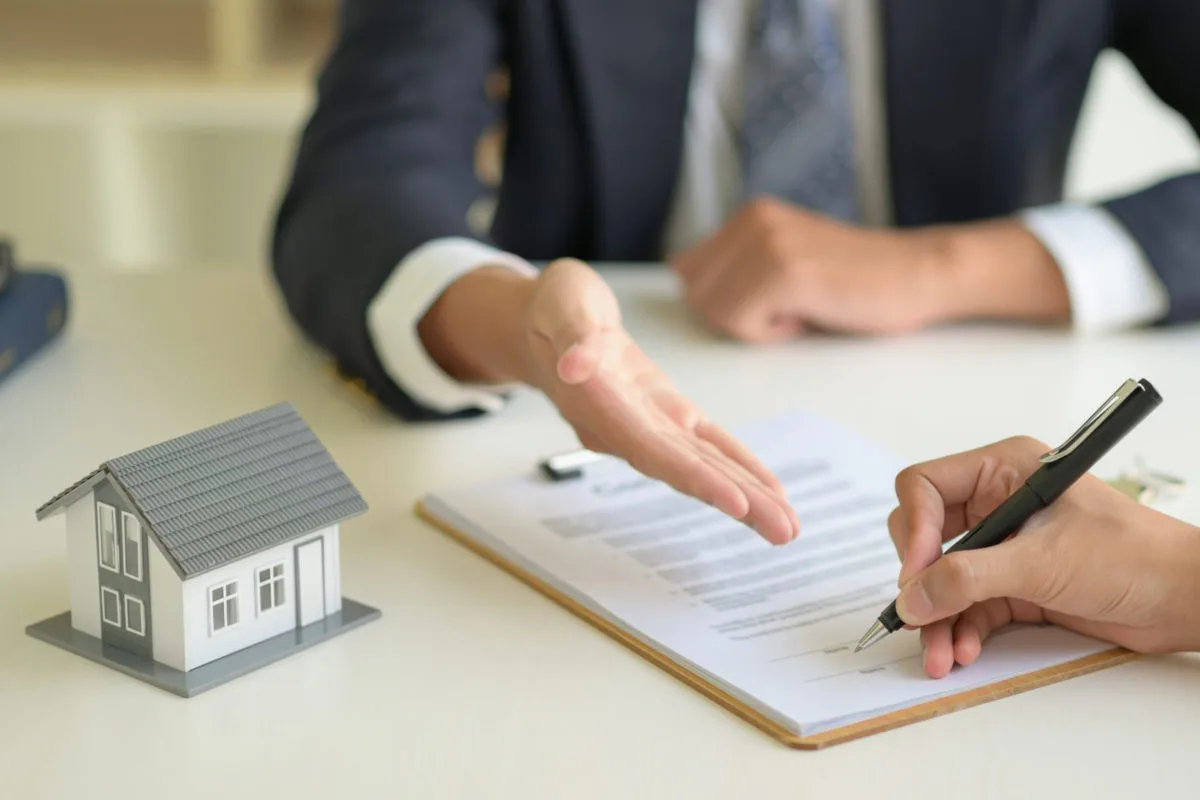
(57, 631)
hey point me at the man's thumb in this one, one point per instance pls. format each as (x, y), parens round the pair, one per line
(958, 580)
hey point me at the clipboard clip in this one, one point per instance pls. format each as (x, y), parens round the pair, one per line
(1118, 398)
(568, 466)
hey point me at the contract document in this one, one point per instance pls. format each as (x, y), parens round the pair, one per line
(770, 629)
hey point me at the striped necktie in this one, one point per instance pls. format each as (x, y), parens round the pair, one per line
(797, 135)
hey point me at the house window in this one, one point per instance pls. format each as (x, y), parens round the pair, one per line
(106, 529)
(110, 606)
(223, 606)
(135, 616)
(270, 588)
(132, 530)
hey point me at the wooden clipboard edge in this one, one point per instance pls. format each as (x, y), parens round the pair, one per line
(896, 719)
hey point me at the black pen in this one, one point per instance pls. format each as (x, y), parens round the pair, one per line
(1060, 468)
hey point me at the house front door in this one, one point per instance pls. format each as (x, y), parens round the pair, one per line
(310, 582)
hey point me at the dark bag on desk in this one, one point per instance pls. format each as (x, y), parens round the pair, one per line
(33, 312)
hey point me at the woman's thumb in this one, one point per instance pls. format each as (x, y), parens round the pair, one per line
(958, 580)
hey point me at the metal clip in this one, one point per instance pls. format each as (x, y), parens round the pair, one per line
(1094, 421)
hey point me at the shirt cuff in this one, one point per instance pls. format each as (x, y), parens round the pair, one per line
(1110, 281)
(395, 312)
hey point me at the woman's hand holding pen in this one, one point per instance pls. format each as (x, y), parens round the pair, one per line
(1095, 561)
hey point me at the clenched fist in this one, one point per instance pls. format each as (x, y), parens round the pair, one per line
(775, 271)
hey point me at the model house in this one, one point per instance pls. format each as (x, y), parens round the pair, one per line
(200, 558)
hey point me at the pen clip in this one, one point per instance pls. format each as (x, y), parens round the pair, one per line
(1093, 422)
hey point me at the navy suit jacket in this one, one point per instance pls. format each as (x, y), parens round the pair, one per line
(982, 101)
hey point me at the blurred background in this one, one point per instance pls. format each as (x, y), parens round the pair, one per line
(157, 134)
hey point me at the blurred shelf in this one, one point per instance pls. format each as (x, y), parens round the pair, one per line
(84, 34)
(256, 43)
(180, 101)
(297, 34)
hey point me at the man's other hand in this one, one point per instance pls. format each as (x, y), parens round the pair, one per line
(775, 271)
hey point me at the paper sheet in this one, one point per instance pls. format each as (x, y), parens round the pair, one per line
(774, 626)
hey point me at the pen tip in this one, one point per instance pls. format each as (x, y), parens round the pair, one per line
(873, 635)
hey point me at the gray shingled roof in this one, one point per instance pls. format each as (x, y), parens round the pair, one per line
(221, 493)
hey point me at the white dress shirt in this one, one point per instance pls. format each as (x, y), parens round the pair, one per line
(1109, 280)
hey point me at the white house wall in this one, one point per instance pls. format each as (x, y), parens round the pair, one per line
(82, 565)
(166, 610)
(202, 647)
(333, 570)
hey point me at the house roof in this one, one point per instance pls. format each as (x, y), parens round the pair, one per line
(221, 493)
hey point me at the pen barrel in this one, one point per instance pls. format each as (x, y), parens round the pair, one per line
(1054, 478)
(1006, 520)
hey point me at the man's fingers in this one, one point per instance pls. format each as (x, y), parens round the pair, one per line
(744, 300)
(735, 449)
(770, 513)
(721, 263)
(753, 319)
(690, 263)
(676, 418)
(769, 516)
(630, 434)
(958, 580)
(715, 252)
(635, 433)
(710, 477)
(661, 458)
(694, 263)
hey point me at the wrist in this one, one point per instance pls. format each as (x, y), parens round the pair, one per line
(998, 270)
(1183, 565)
(475, 329)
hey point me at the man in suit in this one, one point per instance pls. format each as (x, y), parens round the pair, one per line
(847, 165)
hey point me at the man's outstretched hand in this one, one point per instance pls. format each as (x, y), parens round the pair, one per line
(566, 338)
(621, 403)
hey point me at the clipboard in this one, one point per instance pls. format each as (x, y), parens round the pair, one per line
(857, 730)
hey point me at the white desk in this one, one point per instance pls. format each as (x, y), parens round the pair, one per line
(472, 685)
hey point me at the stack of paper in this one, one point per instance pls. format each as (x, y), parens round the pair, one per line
(772, 627)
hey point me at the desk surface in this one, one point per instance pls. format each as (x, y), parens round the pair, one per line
(471, 684)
